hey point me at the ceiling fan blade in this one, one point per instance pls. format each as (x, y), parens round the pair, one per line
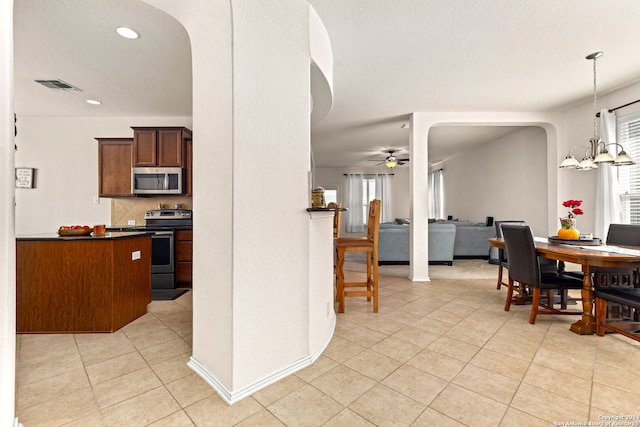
(400, 163)
(403, 160)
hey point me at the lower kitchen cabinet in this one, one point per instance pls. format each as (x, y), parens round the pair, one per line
(81, 284)
(184, 258)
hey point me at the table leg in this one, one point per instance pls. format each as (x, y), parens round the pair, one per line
(586, 325)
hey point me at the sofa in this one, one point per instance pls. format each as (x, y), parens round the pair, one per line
(447, 240)
(393, 243)
(471, 238)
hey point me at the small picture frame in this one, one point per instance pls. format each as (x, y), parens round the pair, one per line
(24, 177)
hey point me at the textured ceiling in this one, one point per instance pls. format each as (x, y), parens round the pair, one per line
(391, 58)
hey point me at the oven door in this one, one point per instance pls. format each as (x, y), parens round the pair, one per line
(162, 260)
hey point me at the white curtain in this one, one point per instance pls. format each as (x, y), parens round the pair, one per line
(353, 203)
(383, 193)
(436, 194)
(608, 208)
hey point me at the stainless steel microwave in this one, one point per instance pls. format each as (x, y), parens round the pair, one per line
(157, 181)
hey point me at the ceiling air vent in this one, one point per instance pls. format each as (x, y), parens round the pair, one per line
(58, 85)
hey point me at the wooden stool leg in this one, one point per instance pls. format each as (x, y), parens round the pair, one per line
(369, 274)
(499, 276)
(340, 280)
(375, 283)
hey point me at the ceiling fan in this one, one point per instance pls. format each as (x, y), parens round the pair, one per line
(390, 161)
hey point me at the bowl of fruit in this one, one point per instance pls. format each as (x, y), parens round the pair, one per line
(74, 230)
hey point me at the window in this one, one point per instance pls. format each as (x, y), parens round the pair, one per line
(331, 194)
(628, 135)
(368, 194)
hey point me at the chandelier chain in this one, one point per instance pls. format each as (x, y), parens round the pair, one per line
(595, 102)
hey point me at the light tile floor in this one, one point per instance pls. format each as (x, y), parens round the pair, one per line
(441, 353)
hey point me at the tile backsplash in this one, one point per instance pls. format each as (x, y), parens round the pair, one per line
(127, 208)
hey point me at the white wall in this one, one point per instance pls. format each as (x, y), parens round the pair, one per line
(64, 152)
(505, 179)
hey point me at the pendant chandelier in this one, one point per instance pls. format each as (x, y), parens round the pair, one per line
(596, 152)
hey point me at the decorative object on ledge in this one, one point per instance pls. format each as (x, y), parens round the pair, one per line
(317, 198)
(597, 151)
(24, 177)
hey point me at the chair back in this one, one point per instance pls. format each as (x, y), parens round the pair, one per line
(501, 252)
(521, 251)
(373, 223)
(337, 218)
(624, 234)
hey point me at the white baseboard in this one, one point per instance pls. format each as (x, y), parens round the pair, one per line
(232, 397)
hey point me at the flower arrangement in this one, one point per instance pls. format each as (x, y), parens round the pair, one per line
(574, 208)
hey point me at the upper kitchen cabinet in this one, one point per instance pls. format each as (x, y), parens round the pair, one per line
(114, 166)
(160, 146)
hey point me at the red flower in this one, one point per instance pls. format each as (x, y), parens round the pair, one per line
(572, 203)
(573, 206)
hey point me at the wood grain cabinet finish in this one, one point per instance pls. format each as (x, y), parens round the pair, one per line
(114, 167)
(84, 285)
(160, 146)
(189, 167)
(184, 258)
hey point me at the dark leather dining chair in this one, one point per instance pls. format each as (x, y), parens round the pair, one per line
(524, 268)
(627, 297)
(502, 254)
(626, 235)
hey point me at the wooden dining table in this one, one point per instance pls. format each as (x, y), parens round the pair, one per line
(589, 257)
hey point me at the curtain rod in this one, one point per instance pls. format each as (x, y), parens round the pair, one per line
(611, 110)
(368, 174)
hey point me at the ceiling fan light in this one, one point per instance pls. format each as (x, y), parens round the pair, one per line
(391, 162)
(569, 162)
(623, 159)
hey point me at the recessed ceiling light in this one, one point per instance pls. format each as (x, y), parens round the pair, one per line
(93, 102)
(128, 33)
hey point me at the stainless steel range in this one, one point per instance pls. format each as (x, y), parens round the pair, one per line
(164, 222)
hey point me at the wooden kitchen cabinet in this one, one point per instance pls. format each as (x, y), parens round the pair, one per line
(81, 284)
(189, 167)
(114, 167)
(160, 146)
(184, 258)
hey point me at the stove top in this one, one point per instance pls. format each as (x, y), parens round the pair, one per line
(168, 214)
(168, 218)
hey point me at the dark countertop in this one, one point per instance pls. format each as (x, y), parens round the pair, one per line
(107, 236)
(131, 228)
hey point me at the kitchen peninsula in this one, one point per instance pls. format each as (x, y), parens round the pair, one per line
(81, 283)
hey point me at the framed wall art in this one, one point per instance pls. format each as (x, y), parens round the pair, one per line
(24, 177)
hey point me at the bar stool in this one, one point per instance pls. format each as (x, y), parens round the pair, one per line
(337, 218)
(368, 245)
